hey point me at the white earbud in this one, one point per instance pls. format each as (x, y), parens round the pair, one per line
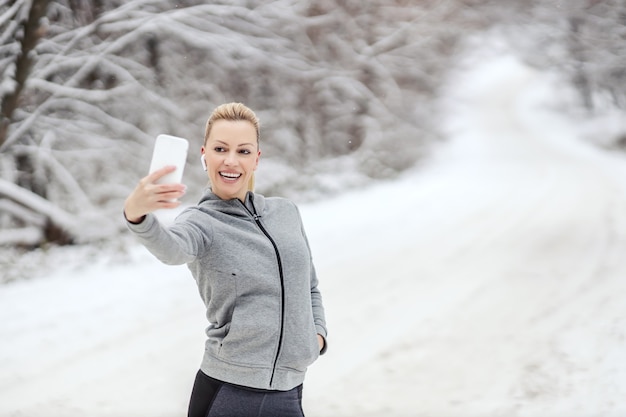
(203, 162)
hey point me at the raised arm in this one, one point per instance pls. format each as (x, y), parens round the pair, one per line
(174, 245)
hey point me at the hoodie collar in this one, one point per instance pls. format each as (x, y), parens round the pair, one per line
(253, 203)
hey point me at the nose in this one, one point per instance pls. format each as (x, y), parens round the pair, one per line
(230, 159)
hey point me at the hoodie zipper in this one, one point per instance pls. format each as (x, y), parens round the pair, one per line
(257, 220)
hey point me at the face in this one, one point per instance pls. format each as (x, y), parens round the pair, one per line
(232, 155)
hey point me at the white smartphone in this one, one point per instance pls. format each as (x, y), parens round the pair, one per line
(169, 150)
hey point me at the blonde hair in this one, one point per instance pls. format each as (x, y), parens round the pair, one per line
(234, 112)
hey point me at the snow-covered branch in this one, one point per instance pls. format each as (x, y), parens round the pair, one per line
(82, 226)
(332, 81)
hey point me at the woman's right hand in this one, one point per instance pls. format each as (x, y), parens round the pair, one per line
(148, 196)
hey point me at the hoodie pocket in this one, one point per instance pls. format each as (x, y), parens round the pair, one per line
(222, 296)
(254, 331)
(302, 348)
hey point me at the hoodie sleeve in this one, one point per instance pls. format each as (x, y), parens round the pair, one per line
(318, 309)
(319, 315)
(175, 245)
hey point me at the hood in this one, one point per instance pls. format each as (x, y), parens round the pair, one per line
(254, 203)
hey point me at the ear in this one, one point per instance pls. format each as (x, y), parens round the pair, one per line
(202, 160)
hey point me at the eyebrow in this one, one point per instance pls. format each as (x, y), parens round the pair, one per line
(241, 144)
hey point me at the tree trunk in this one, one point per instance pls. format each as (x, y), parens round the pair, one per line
(33, 31)
(580, 78)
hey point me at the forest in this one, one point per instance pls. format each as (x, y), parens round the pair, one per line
(347, 91)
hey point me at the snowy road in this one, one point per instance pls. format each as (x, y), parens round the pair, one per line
(498, 284)
(490, 283)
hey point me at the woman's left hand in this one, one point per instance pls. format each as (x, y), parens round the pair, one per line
(320, 342)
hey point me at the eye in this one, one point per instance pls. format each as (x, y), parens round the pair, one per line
(219, 149)
(245, 151)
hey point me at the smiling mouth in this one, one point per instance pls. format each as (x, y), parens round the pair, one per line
(229, 175)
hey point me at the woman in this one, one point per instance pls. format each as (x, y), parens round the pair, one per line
(250, 258)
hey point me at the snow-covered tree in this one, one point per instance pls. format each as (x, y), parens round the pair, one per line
(344, 90)
(329, 80)
(585, 40)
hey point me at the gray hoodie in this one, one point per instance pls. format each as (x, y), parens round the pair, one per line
(253, 267)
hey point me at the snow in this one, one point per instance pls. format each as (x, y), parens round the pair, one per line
(488, 282)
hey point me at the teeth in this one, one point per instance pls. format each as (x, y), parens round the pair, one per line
(230, 175)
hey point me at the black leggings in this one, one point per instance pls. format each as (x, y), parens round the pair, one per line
(213, 398)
